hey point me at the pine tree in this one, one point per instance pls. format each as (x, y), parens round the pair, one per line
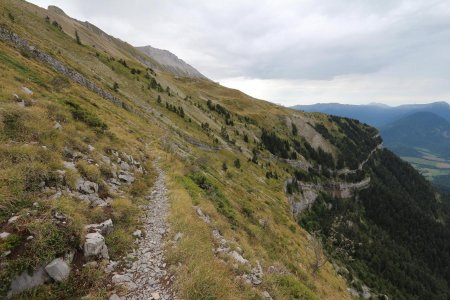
(294, 129)
(237, 163)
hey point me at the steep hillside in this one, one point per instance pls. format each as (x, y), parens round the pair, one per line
(171, 62)
(419, 130)
(423, 140)
(375, 114)
(388, 233)
(120, 178)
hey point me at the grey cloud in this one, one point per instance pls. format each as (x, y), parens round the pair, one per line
(284, 40)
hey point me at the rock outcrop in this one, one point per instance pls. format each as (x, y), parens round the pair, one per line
(26, 281)
(21, 44)
(58, 269)
(310, 191)
(95, 246)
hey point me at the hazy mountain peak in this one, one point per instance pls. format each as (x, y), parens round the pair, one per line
(378, 104)
(171, 62)
(56, 9)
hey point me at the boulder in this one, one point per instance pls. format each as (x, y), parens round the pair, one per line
(137, 234)
(95, 245)
(106, 159)
(58, 269)
(155, 296)
(124, 166)
(25, 281)
(69, 165)
(13, 220)
(126, 177)
(114, 297)
(103, 228)
(92, 199)
(57, 126)
(86, 187)
(266, 295)
(237, 257)
(203, 216)
(178, 236)
(4, 235)
(27, 91)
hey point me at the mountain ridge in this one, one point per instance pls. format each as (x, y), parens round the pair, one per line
(171, 62)
(377, 115)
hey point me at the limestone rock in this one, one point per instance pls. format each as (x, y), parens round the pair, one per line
(178, 236)
(237, 257)
(203, 216)
(114, 297)
(25, 281)
(124, 166)
(4, 235)
(120, 278)
(92, 199)
(137, 234)
(126, 177)
(13, 220)
(266, 295)
(86, 187)
(27, 91)
(103, 228)
(155, 296)
(95, 245)
(69, 165)
(58, 269)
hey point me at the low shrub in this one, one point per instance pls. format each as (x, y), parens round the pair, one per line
(91, 172)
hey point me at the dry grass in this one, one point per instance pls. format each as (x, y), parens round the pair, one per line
(238, 201)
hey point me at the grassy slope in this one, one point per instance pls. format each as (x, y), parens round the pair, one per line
(247, 195)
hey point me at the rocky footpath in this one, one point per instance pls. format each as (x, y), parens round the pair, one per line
(145, 276)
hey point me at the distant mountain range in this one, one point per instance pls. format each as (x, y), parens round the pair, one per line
(377, 115)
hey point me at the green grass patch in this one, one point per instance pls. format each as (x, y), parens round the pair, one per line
(23, 70)
(289, 287)
(81, 114)
(219, 200)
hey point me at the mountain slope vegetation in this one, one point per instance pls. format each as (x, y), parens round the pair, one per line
(85, 118)
(421, 130)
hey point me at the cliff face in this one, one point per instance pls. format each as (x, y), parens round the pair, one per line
(308, 192)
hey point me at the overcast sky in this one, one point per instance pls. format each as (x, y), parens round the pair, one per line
(294, 51)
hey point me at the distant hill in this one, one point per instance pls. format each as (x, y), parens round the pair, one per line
(375, 114)
(171, 62)
(424, 130)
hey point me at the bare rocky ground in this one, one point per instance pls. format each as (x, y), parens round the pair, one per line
(146, 276)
